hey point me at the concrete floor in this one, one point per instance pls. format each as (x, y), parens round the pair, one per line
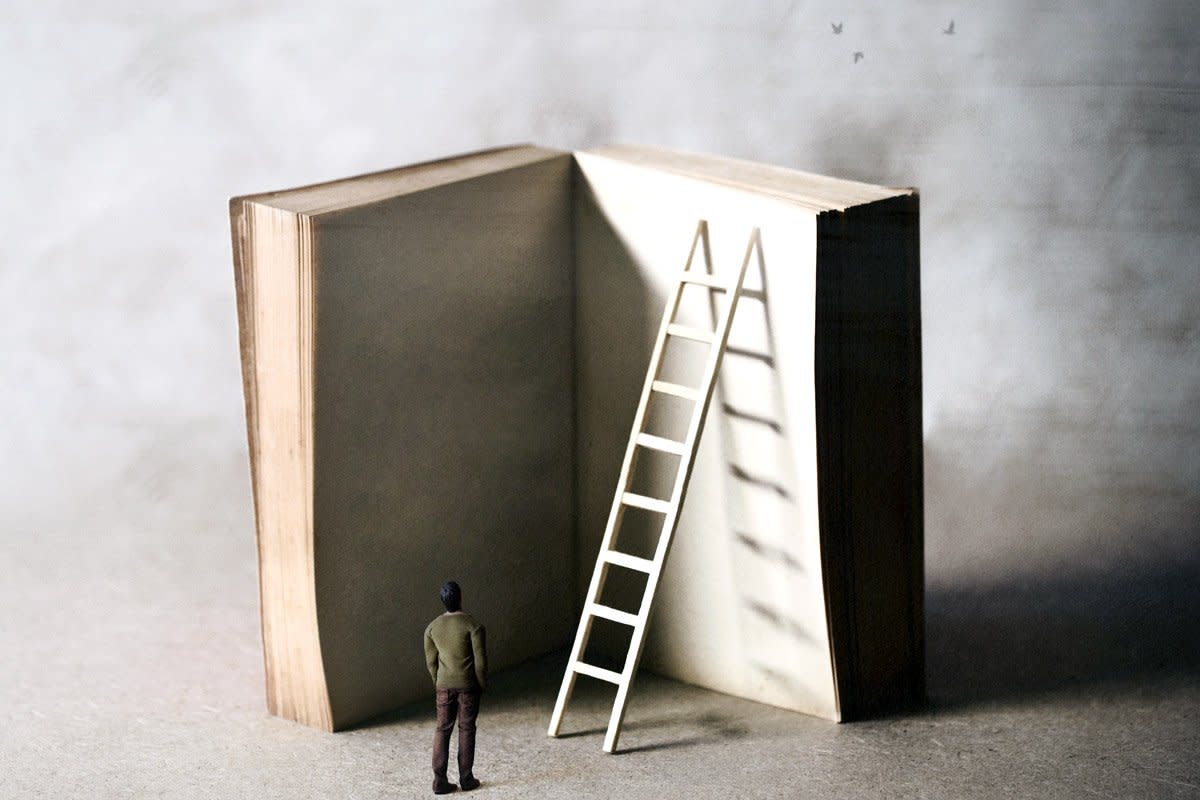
(132, 668)
(1121, 739)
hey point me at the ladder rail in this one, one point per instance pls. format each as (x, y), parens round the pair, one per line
(617, 510)
(686, 450)
(679, 492)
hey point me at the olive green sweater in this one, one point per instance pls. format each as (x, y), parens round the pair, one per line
(456, 652)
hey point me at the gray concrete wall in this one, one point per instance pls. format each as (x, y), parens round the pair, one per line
(1054, 145)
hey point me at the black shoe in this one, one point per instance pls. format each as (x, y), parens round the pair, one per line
(444, 787)
(469, 783)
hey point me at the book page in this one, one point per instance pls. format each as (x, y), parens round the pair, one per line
(740, 608)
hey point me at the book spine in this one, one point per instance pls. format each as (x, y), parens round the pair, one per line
(273, 276)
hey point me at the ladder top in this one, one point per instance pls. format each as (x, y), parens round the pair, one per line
(705, 279)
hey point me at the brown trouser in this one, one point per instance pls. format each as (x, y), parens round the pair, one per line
(463, 704)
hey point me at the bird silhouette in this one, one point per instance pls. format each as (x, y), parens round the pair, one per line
(950, 30)
(837, 26)
(858, 56)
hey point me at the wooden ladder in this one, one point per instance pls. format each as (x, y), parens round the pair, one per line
(686, 450)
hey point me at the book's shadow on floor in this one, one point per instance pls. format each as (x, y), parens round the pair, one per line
(1003, 642)
(1019, 640)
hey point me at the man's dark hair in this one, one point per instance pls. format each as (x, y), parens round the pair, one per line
(451, 596)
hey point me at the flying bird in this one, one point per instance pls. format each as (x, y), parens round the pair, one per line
(858, 56)
(949, 31)
(837, 26)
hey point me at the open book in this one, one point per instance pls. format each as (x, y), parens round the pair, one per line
(441, 364)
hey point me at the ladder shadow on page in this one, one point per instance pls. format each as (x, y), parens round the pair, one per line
(778, 627)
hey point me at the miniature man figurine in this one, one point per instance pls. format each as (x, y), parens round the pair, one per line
(456, 654)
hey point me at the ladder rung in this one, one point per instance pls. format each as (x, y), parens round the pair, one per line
(659, 443)
(666, 387)
(597, 672)
(688, 332)
(628, 561)
(648, 503)
(704, 279)
(616, 615)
